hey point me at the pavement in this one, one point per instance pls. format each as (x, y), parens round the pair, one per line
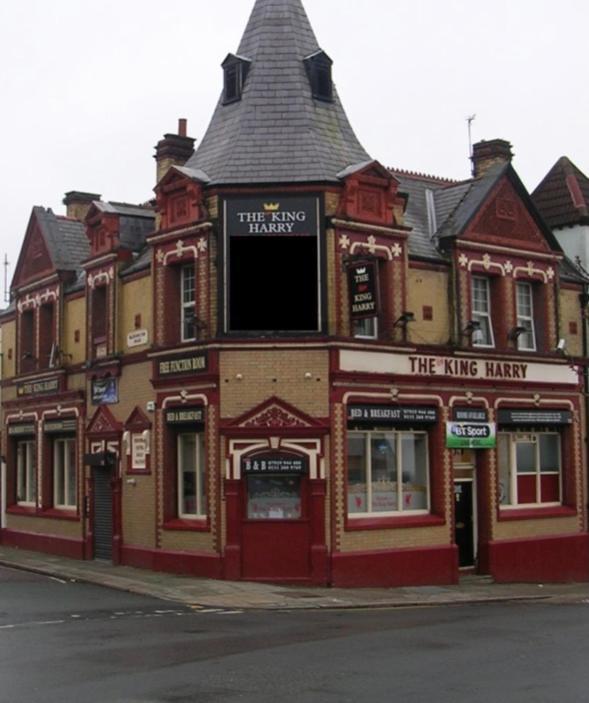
(243, 595)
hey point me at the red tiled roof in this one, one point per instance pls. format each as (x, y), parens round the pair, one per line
(563, 196)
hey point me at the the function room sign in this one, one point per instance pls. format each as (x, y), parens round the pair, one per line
(290, 216)
(363, 284)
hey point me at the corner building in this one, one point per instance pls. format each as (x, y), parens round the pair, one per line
(296, 364)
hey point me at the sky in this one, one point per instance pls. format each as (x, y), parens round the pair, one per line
(88, 88)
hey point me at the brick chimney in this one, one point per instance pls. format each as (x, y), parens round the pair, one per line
(173, 150)
(487, 154)
(78, 203)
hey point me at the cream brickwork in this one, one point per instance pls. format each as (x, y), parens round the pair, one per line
(8, 348)
(74, 319)
(332, 201)
(44, 526)
(520, 529)
(135, 299)
(331, 282)
(570, 311)
(551, 315)
(368, 540)
(268, 373)
(139, 511)
(188, 541)
(213, 207)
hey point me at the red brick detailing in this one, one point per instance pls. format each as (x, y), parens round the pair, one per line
(370, 196)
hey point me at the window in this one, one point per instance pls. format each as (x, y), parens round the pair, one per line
(481, 312)
(46, 336)
(525, 317)
(191, 475)
(27, 343)
(188, 299)
(64, 473)
(26, 473)
(388, 472)
(367, 328)
(529, 469)
(99, 321)
(235, 74)
(274, 497)
(319, 72)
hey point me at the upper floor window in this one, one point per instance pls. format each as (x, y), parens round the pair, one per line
(99, 321)
(526, 339)
(188, 299)
(235, 70)
(26, 473)
(46, 335)
(319, 71)
(481, 312)
(366, 328)
(27, 341)
(529, 468)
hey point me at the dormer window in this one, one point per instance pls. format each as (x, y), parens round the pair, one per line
(318, 67)
(236, 69)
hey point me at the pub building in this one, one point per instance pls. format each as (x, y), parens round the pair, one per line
(295, 364)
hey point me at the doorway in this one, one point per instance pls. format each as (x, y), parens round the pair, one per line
(464, 533)
(102, 512)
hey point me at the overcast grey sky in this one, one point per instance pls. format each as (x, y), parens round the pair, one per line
(88, 88)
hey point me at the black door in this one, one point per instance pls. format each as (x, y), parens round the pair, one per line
(102, 513)
(463, 524)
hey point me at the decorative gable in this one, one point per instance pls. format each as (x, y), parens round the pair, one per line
(274, 414)
(34, 261)
(370, 195)
(505, 220)
(103, 231)
(179, 200)
(103, 422)
(137, 421)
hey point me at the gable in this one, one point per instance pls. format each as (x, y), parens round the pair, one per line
(504, 219)
(34, 261)
(275, 413)
(137, 421)
(103, 422)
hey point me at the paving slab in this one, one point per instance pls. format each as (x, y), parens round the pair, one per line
(245, 595)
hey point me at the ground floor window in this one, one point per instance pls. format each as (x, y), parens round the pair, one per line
(530, 472)
(64, 473)
(26, 472)
(274, 497)
(388, 472)
(192, 502)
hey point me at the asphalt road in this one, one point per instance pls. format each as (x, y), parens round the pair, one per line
(70, 642)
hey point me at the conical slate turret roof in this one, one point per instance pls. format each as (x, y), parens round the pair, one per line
(278, 132)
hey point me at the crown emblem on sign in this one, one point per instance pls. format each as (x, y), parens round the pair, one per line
(271, 207)
(361, 271)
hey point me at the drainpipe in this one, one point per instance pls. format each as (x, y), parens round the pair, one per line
(584, 300)
(2, 494)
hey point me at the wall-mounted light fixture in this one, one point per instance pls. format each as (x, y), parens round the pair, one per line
(473, 330)
(516, 332)
(405, 319)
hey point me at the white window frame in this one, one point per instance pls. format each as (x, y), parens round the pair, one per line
(199, 497)
(477, 315)
(398, 435)
(187, 306)
(526, 321)
(372, 334)
(529, 437)
(61, 450)
(26, 472)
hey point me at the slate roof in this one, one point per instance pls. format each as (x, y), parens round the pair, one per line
(66, 239)
(277, 132)
(135, 222)
(563, 196)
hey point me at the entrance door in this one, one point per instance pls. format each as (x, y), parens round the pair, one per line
(276, 534)
(463, 522)
(103, 512)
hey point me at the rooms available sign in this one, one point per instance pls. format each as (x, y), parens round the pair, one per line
(272, 215)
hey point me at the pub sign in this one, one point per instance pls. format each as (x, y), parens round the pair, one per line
(363, 283)
(289, 216)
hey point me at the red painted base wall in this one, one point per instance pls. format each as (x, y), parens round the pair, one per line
(557, 559)
(401, 567)
(181, 563)
(48, 544)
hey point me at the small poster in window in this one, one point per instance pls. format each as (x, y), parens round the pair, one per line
(105, 391)
(138, 451)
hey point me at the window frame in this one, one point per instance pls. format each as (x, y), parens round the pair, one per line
(355, 323)
(201, 502)
(187, 306)
(528, 437)
(486, 314)
(65, 442)
(368, 435)
(26, 469)
(529, 319)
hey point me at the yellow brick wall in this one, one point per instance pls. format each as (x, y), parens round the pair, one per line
(135, 298)
(520, 529)
(268, 373)
(139, 527)
(570, 311)
(8, 338)
(44, 526)
(74, 319)
(428, 288)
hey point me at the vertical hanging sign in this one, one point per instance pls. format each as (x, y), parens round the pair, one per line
(363, 284)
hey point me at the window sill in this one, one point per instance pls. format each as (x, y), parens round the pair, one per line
(182, 524)
(506, 514)
(400, 522)
(60, 514)
(17, 509)
(138, 472)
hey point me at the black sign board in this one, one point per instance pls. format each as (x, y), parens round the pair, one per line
(363, 282)
(534, 417)
(57, 426)
(386, 414)
(105, 391)
(41, 387)
(20, 430)
(189, 364)
(100, 459)
(470, 414)
(286, 216)
(185, 416)
(275, 464)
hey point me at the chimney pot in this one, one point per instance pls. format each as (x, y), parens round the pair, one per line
(182, 127)
(78, 203)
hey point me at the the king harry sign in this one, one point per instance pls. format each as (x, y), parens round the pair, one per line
(272, 215)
